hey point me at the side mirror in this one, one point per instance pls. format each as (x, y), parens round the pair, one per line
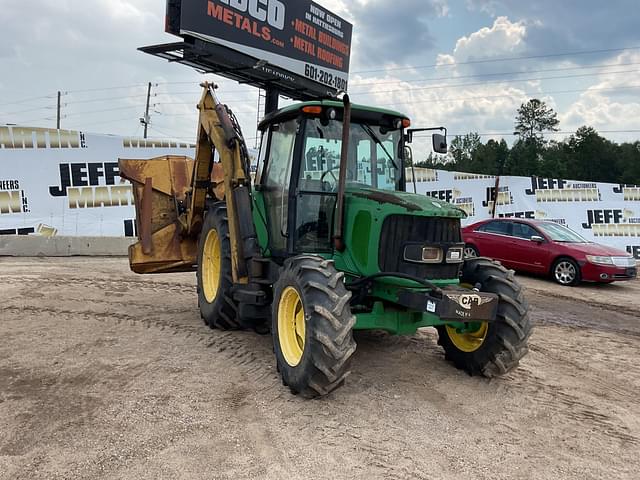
(537, 239)
(408, 155)
(439, 143)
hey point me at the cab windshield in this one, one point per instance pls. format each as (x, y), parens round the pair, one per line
(373, 161)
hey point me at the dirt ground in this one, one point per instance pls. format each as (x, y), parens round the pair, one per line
(106, 374)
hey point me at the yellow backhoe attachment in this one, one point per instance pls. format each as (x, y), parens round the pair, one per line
(160, 186)
(170, 195)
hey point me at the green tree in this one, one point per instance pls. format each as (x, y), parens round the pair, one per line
(555, 160)
(436, 161)
(524, 158)
(463, 148)
(534, 118)
(490, 158)
(592, 157)
(585, 155)
(628, 161)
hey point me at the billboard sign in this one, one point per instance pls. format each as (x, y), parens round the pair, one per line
(298, 36)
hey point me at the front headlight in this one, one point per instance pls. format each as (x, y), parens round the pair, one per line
(423, 254)
(598, 260)
(455, 255)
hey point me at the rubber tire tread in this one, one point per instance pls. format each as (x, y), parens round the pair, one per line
(222, 313)
(329, 343)
(507, 337)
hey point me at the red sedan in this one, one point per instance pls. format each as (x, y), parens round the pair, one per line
(547, 248)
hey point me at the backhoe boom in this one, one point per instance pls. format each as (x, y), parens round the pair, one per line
(170, 211)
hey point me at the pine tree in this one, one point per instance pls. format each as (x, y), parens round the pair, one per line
(534, 118)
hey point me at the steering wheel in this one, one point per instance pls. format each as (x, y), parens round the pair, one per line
(326, 185)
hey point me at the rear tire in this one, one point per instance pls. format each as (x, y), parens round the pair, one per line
(497, 347)
(312, 326)
(214, 279)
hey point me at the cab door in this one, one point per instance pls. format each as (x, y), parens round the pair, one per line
(275, 182)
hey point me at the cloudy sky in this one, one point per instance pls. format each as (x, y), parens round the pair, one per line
(465, 64)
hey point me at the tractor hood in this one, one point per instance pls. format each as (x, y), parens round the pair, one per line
(409, 203)
(380, 224)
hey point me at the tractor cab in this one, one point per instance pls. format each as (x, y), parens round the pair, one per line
(297, 184)
(298, 192)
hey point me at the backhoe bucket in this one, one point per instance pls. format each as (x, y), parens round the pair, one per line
(160, 187)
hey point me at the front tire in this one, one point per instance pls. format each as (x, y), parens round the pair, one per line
(470, 251)
(312, 326)
(492, 348)
(566, 272)
(214, 278)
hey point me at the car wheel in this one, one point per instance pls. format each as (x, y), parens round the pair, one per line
(470, 251)
(566, 271)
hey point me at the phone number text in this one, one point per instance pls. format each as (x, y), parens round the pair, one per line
(319, 75)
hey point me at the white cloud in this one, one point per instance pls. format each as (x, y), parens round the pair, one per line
(445, 59)
(484, 108)
(503, 37)
(442, 8)
(88, 51)
(487, 6)
(611, 103)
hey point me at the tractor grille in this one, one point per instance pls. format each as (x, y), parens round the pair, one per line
(398, 231)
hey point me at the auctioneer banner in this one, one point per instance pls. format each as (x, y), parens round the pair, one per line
(601, 212)
(63, 182)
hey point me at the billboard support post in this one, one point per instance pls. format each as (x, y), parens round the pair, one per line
(271, 102)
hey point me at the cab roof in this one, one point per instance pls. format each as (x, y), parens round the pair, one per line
(358, 112)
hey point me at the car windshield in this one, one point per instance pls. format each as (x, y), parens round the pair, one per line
(559, 233)
(374, 155)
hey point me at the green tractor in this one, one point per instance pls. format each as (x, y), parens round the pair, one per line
(324, 241)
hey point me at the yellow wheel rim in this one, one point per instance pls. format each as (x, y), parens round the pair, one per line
(468, 341)
(291, 326)
(211, 267)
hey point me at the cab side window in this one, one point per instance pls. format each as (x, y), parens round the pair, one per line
(278, 169)
(276, 180)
